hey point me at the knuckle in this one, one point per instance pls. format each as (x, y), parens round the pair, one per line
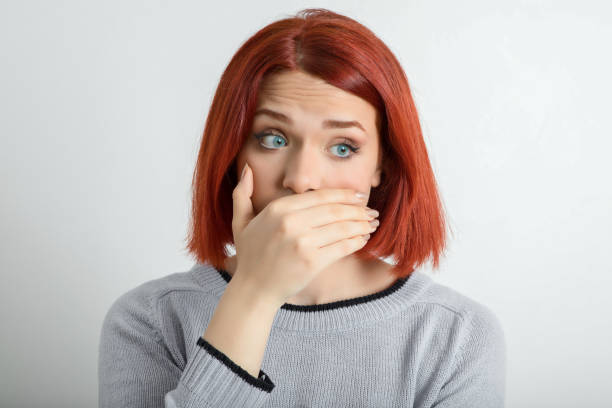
(285, 223)
(301, 247)
(273, 208)
(274, 211)
(309, 262)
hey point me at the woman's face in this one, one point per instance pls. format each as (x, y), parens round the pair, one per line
(298, 142)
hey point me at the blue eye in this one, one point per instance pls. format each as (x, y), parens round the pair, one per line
(345, 147)
(277, 141)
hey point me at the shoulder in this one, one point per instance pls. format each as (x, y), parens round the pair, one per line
(148, 292)
(474, 324)
(474, 346)
(476, 338)
(470, 344)
(137, 307)
(449, 300)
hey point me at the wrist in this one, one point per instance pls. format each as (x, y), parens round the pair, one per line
(249, 295)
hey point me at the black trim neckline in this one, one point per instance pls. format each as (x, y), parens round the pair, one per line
(337, 304)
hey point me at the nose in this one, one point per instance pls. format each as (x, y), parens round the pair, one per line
(303, 170)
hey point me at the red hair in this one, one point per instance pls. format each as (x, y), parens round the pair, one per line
(348, 56)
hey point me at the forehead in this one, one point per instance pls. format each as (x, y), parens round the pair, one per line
(296, 92)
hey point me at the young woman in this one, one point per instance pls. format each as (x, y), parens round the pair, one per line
(310, 111)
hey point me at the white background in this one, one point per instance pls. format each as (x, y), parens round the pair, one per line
(103, 106)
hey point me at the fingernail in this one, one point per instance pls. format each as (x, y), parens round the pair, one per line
(243, 170)
(360, 196)
(373, 213)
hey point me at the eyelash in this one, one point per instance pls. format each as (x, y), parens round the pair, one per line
(347, 142)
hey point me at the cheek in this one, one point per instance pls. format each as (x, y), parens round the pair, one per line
(246, 155)
(264, 172)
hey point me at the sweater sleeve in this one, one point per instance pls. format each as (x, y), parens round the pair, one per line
(136, 369)
(477, 379)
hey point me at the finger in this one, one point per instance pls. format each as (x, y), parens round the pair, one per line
(338, 250)
(336, 232)
(321, 215)
(317, 197)
(243, 211)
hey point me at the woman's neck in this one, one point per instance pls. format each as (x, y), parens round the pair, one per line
(347, 278)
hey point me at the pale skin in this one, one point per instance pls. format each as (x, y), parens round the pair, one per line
(300, 154)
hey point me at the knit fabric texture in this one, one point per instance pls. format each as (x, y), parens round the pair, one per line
(415, 344)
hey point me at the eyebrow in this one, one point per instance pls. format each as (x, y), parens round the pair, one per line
(328, 123)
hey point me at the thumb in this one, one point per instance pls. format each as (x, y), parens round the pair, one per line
(243, 207)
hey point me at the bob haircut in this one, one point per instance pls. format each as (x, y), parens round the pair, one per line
(348, 56)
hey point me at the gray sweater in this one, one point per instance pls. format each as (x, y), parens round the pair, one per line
(416, 344)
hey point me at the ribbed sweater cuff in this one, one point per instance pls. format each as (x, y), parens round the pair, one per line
(214, 379)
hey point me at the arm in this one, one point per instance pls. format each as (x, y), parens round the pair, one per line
(136, 368)
(479, 370)
(240, 326)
